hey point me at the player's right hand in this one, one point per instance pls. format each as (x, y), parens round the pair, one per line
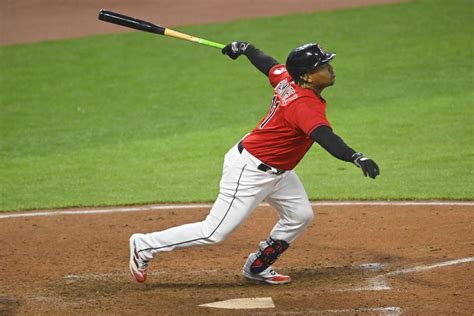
(368, 166)
(235, 49)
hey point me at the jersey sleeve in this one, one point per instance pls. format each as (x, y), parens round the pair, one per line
(307, 116)
(277, 73)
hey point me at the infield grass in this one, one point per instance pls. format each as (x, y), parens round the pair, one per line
(134, 118)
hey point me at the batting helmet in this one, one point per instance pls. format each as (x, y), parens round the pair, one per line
(305, 58)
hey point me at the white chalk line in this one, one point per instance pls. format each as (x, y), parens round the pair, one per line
(199, 206)
(379, 282)
(106, 211)
(102, 276)
(431, 266)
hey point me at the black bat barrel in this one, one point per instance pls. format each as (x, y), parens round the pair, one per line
(128, 21)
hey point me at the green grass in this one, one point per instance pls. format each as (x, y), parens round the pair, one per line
(135, 118)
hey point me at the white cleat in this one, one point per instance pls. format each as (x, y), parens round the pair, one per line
(138, 266)
(268, 275)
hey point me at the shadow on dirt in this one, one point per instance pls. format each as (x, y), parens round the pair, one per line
(9, 305)
(320, 277)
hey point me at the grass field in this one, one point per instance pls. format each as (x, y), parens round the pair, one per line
(135, 118)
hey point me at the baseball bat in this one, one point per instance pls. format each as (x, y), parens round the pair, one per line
(127, 21)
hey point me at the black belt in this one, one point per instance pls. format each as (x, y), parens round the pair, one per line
(262, 167)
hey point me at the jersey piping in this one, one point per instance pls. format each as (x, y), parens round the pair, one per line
(217, 227)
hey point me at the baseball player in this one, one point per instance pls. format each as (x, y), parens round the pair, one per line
(260, 166)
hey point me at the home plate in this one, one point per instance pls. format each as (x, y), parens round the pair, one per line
(243, 303)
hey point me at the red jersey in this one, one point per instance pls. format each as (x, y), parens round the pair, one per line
(281, 139)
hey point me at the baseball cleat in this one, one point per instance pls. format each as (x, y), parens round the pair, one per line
(268, 275)
(138, 266)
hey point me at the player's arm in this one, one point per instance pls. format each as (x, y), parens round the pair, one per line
(260, 60)
(334, 144)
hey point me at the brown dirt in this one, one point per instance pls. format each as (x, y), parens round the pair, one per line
(78, 264)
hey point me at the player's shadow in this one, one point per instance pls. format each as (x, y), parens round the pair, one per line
(190, 285)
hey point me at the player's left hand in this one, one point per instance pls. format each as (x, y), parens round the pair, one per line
(368, 166)
(235, 49)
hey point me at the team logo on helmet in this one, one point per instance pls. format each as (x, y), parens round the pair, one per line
(299, 48)
(321, 49)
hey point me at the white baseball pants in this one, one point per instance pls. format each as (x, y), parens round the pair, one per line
(242, 188)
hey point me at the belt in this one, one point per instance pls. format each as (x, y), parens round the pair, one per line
(263, 167)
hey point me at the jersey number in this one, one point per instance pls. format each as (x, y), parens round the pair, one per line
(271, 113)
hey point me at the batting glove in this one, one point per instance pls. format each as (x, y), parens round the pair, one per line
(368, 166)
(235, 49)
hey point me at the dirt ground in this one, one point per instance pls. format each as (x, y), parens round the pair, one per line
(78, 264)
(351, 260)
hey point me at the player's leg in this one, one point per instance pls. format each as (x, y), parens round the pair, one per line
(242, 188)
(227, 213)
(224, 217)
(291, 202)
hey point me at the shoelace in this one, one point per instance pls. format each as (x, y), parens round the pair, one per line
(143, 264)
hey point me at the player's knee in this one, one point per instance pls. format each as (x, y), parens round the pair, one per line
(217, 237)
(306, 216)
(217, 232)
